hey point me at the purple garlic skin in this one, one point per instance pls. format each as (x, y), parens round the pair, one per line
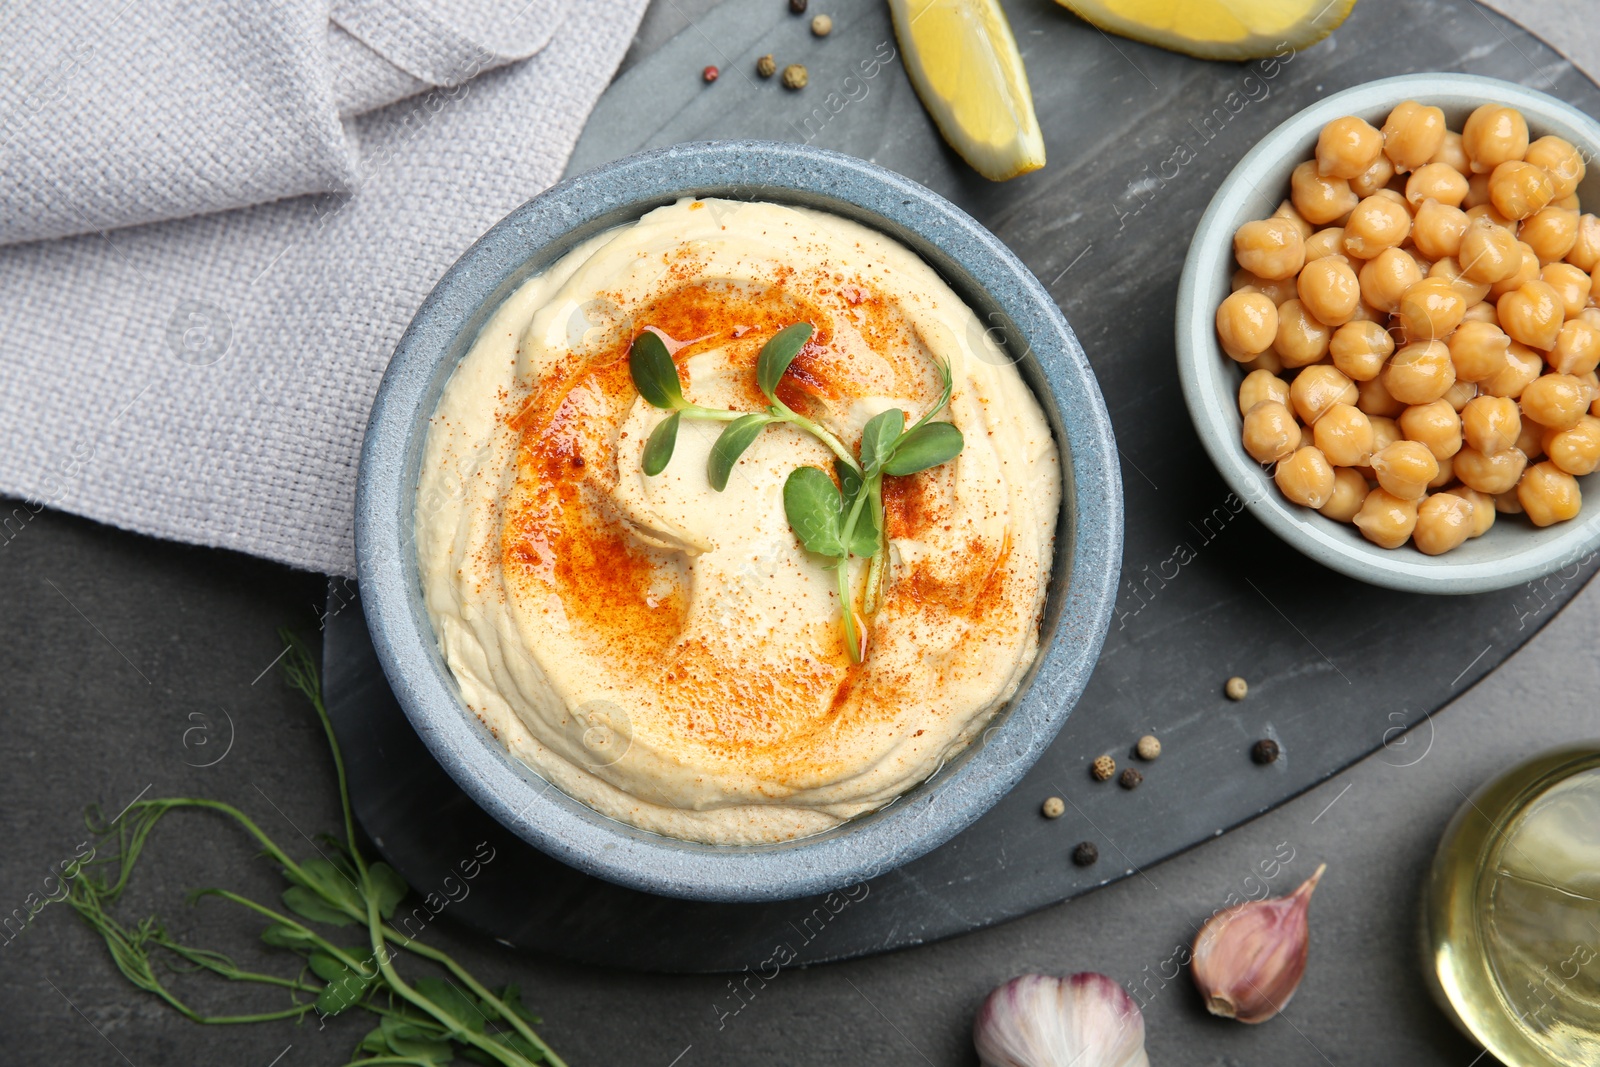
(1249, 959)
(1038, 1020)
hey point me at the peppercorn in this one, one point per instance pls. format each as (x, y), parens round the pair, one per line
(822, 25)
(1103, 768)
(766, 66)
(797, 6)
(1085, 854)
(1053, 808)
(1130, 779)
(795, 76)
(1236, 688)
(710, 74)
(1148, 748)
(1265, 751)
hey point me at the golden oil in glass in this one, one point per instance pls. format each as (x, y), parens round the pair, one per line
(1511, 923)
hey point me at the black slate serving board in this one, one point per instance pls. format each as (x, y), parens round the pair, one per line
(1337, 669)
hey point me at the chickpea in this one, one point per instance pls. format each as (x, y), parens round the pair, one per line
(1270, 248)
(1575, 450)
(1261, 385)
(1385, 519)
(1270, 432)
(1560, 160)
(1347, 146)
(1301, 340)
(1549, 494)
(1483, 312)
(1571, 284)
(1507, 503)
(1591, 314)
(1359, 349)
(1365, 312)
(1494, 474)
(1491, 424)
(1376, 223)
(1435, 426)
(1577, 348)
(1349, 490)
(1378, 176)
(1460, 395)
(1585, 251)
(1489, 253)
(1532, 314)
(1375, 400)
(1437, 230)
(1477, 191)
(1518, 189)
(1431, 309)
(1523, 365)
(1449, 269)
(1445, 477)
(1483, 509)
(1320, 200)
(1488, 214)
(1528, 271)
(1396, 196)
(1444, 521)
(1286, 211)
(1325, 242)
(1419, 373)
(1385, 432)
(1267, 361)
(1316, 389)
(1306, 477)
(1551, 233)
(1405, 468)
(1276, 290)
(1555, 401)
(1451, 153)
(1436, 181)
(1247, 323)
(1570, 203)
(1492, 135)
(1530, 439)
(1412, 134)
(1386, 277)
(1329, 290)
(1478, 350)
(1344, 435)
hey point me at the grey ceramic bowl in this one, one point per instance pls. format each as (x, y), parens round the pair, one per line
(1514, 550)
(998, 286)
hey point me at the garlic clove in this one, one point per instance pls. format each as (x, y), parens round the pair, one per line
(1038, 1020)
(1249, 959)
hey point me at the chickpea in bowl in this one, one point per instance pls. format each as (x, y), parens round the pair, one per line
(1389, 332)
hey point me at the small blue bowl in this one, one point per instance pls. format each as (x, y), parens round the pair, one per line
(1514, 551)
(997, 286)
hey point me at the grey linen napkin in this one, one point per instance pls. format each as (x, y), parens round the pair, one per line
(207, 378)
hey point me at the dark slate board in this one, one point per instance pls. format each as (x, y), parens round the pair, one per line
(1337, 669)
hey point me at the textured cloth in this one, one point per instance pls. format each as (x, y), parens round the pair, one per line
(208, 378)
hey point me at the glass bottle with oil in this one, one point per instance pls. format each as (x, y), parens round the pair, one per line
(1511, 922)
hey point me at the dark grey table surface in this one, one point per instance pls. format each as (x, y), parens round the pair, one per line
(129, 664)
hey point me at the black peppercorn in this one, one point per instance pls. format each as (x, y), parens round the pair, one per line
(1130, 779)
(1085, 854)
(797, 6)
(1264, 751)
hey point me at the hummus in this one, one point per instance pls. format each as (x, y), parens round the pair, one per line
(668, 654)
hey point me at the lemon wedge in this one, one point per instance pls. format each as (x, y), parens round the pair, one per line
(965, 66)
(1217, 29)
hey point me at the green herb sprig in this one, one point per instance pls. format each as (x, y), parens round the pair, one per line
(421, 1022)
(835, 521)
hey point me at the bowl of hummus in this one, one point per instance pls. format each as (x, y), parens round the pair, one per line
(738, 521)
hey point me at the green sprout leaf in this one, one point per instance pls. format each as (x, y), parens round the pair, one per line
(409, 1039)
(864, 537)
(654, 373)
(658, 449)
(777, 354)
(345, 986)
(878, 438)
(282, 936)
(740, 435)
(308, 905)
(463, 1007)
(811, 502)
(388, 888)
(924, 446)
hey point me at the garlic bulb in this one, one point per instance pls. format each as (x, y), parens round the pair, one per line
(1037, 1020)
(1249, 959)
